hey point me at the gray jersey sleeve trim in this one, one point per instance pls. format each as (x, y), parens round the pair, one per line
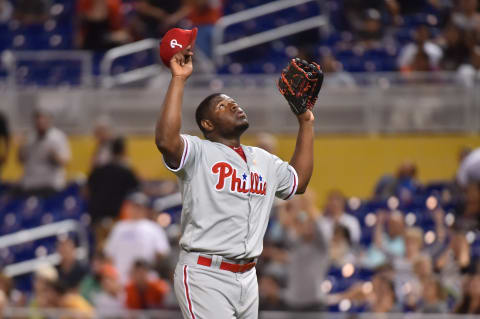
(294, 184)
(184, 156)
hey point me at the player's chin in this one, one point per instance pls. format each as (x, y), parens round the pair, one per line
(243, 125)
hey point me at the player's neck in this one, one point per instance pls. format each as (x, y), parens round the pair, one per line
(232, 142)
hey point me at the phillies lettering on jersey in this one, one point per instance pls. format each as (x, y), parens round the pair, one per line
(238, 184)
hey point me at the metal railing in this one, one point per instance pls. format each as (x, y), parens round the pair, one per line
(45, 231)
(221, 49)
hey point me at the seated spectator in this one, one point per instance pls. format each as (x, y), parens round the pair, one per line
(467, 72)
(371, 33)
(466, 17)
(108, 185)
(470, 303)
(336, 76)
(104, 138)
(101, 25)
(270, 293)
(434, 297)
(468, 212)
(30, 12)
(91, 284)
(44, 277)
(456, 50)
(403, 185)
(44, 155)
(6, 11)
(59, 296)
(144, 292)
(110, 300)
(335, 214)
(340, 248)
(422, 43)
(377, 296)
(136, 238)
(71, 271)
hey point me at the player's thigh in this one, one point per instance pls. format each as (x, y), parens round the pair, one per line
(202, 295)
(249, 306)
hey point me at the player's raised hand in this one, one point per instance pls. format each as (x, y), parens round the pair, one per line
(181, 63)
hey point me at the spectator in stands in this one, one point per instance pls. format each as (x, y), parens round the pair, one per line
(136, 238)
(434, 297)
(5, 290)
(100, 25)
(108, 185)
(104, 138)
(71, 271)
(335, 214)
(340, 248)
(468, 212)
(404, 184)
(30, 12)
(4, 132)
(59, 296)
(144, 292)
(44, 155)
(270, 293)
(110, 300)
(378, 295)
(6, 11)
(154, 17)
(305, 240)
(422, 43)
(466, 17)
(91, 283)
(387, 243)
(336, 76)
(470, 303)
(467, 72)
(469, 170)
(44, 277)
(456, 50)
(371, 33)
(204, 14)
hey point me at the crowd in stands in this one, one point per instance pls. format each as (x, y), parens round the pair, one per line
(373, 35)
(409, 248)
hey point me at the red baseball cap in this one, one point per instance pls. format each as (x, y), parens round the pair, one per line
(174, 41)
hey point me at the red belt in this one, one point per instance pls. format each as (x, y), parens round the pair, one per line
(205, 261)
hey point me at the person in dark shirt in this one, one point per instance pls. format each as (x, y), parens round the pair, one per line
(4, 140)
(71, 271)
(108, 185)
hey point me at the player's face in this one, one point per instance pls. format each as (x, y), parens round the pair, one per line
(228, 117)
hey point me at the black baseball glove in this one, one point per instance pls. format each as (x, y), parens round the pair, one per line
(300, 84)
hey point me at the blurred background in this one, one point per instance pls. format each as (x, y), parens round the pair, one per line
(89, 216)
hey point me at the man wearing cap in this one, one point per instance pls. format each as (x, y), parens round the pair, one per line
(228, 190)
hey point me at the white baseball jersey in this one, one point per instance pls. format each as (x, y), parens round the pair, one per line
(227, 201)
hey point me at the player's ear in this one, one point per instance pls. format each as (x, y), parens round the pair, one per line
(207, 125)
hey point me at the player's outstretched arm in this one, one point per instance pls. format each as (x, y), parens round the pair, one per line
(302, 159)
(167, 130)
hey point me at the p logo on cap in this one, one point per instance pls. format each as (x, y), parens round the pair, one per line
(174, 41)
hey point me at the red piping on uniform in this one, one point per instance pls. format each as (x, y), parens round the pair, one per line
(187, 291)
(294, 186)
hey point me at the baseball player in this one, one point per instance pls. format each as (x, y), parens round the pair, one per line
(227, 188)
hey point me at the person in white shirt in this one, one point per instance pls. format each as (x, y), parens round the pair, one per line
(136, 238)
(44, 155)
(469, 170)
(335, 214)
(422, 42)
